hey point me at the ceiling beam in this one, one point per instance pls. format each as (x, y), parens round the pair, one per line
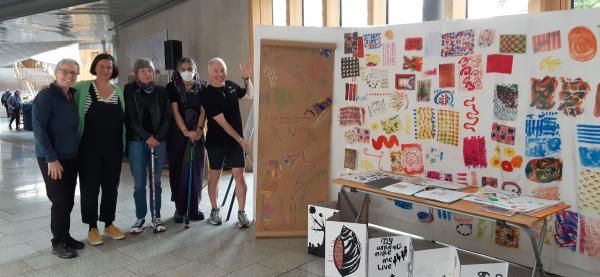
(14, 8)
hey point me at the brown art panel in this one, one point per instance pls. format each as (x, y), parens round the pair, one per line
(293, 166)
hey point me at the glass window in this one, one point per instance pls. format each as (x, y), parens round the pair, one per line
(354, 13)
(312, 13)
(402, 11)
(585, 4)
(489, 8)
(279, 12)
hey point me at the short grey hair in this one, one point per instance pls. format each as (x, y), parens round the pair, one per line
(142, 63)
(217, 59)
(64, 61)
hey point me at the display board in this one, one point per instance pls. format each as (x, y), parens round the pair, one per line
(293, 155)
(510, 102)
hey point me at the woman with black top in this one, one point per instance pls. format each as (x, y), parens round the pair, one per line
(102, 112)
(55, 122)
(185, 91)
(147, 120)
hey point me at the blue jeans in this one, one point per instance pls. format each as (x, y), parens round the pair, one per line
(139, 161)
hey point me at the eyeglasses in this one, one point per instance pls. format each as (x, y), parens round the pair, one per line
(74, 73)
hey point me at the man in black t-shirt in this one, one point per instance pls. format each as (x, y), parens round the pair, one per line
(224, 139)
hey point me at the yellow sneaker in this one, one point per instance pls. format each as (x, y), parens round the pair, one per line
(94, 237)
(114, 232)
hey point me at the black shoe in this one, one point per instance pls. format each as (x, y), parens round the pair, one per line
(178, 218)
(73, 244)
(63, 252)
(198, 217)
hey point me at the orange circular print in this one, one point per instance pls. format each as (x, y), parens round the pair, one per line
(582, 44)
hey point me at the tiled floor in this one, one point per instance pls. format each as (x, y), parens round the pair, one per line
(202, 250)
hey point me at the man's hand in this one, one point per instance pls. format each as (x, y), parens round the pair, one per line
(246, 70)
(152, 142)
(55, 170)
(245, 145)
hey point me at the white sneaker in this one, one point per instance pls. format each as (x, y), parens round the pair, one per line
(243, 221)
(215, 217)
(158, 225)
(138, 226)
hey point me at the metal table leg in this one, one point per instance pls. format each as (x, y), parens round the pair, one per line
(356, 213)
(537, 248)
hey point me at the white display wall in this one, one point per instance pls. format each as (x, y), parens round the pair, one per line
(509, 102)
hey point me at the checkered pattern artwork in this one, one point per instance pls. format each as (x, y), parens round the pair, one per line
(515, 44)
(448, 124)
(389, 53)
(350, 67)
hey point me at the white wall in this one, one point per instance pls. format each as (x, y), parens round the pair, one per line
(205, 28)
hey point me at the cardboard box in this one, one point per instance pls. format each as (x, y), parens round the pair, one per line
(345, 247)
(390, 255)
(445, 262)
(318, 213)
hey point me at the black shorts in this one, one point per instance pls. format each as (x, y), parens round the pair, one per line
(232, 156)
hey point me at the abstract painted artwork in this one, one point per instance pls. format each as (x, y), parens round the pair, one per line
(588, 191)
(504, 134)
(565, 229)
(448, 127)
(498, 63)
(582, 44)
(470, 73)
(413, 43)
(350, 158)
(446, 75)
(424, 123)
(405, 81)
(412, 159)
(544, 170)
(424, 90)
(458, 43)
(571, 96)
(546, 42)
(474, 153)
(542, 92)
(506, 100)
(350, 67)
(507, 236)
(486, 38)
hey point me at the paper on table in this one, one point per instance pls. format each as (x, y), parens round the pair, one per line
(447, 185)
(442, 195)
(404, 188)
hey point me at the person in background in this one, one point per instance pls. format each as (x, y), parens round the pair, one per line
(224, 140)
(15, 104)
(55, 121)
(185, 90)
(147, 119)
(5, 97)
(102, 112)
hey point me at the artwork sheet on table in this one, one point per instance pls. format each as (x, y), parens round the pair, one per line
(510, 200)
(509, 102)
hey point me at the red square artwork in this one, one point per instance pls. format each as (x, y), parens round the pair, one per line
(415, 43)
(360, 51)
(498, 63)
(447, 75)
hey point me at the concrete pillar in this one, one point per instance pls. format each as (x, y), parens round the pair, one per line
(433, 10)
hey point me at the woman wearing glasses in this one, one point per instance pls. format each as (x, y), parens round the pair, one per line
(55, 122)
(102, 112)
(147, 120)
(186, 136)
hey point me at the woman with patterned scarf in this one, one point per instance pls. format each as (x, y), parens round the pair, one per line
(147, 119)
(185, 147)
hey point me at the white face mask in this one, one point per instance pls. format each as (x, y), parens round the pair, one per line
(187, 75)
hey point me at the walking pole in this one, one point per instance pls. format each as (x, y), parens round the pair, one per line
(153, 170)
(189, 194)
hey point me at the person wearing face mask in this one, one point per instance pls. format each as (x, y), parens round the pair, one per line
(224, 139)
(185, 90)
(55, 120)
(102, 112)
(147, 119)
